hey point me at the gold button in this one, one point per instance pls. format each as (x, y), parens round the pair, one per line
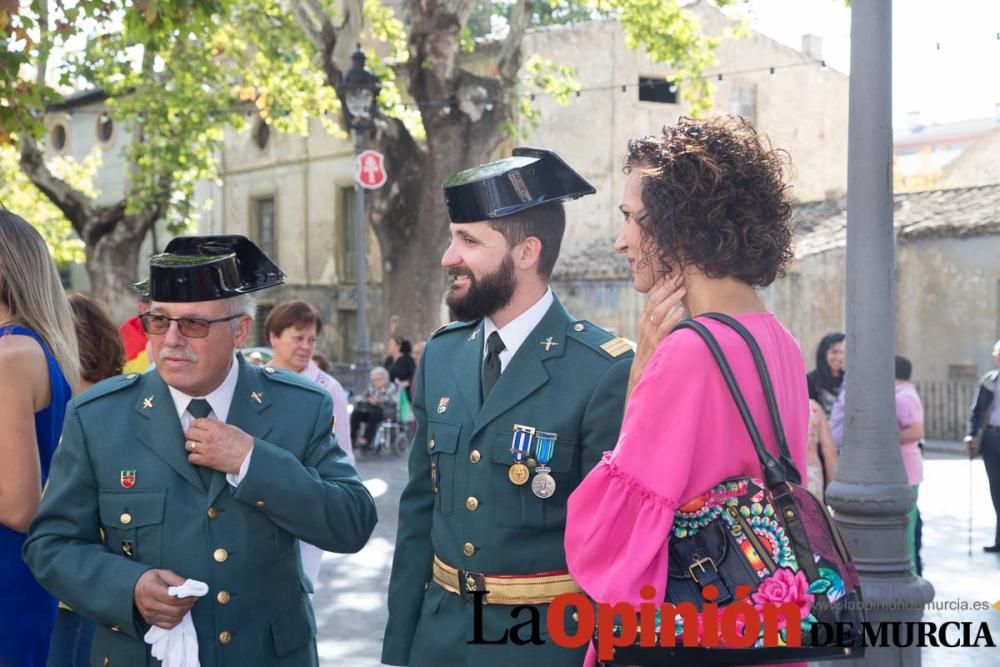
(577, 327)
(472, 503)
(469, 549)
(531, 463)
(259, 503)
(430, 445)
(115, 628)
(107, 661)
(125, 518)
(222, 597)
(268, 370)
(212, 512)
(225, 637)
(474, 456)
(220, 555)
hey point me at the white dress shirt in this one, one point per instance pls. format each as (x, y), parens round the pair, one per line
(220, 400)
(515, 332)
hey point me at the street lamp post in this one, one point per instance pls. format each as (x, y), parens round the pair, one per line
(359, 91)
(870, 493)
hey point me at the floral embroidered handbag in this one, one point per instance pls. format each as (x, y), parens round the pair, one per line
(760, 543)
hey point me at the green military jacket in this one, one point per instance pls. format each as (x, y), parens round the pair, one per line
(460, 503)
(122, 498)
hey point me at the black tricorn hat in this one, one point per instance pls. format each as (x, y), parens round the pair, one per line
(532, 177)
(208, 268)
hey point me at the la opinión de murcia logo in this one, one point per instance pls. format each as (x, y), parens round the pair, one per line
(749, 621)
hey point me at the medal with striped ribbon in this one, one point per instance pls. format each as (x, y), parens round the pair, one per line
(520, 447)
(543, 485)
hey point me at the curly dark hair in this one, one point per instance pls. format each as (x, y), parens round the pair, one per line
(714, 197)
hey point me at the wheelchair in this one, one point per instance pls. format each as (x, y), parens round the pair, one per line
(392, 435)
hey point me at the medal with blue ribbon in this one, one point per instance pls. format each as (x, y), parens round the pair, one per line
(520, 448)
(543, 485)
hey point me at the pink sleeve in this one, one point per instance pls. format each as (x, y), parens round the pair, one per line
(908, 409)
(619, 517)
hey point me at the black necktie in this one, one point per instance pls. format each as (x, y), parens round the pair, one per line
(491, 367)
(199, 409)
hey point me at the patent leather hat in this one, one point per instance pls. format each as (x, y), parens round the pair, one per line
(531, 177)
(208, 268)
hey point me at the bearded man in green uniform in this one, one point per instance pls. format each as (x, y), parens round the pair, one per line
(514, 403)
(206, 468)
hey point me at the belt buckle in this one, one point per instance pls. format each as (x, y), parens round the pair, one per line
(700, 563)
(470, 583)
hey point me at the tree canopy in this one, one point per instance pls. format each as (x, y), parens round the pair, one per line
(178, 73)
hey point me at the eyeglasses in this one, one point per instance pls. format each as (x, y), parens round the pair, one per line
(192, 327)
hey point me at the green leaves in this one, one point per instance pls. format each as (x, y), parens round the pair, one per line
(671, 34)
(23, 198)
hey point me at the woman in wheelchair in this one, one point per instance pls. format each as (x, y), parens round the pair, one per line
(377, 405)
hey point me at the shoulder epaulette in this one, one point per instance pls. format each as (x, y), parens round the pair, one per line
(290, 378)
(109, 386)
(454, 326)
(599, 339)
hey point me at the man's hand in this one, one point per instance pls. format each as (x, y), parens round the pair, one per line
(158, 607)
(970, 446)
(216, 445)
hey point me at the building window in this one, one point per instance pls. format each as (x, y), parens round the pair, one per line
(105, 130)
(262, 226)
(58, 137)
(261, 134)
(743, 102)
(348, 236)
(657, 89)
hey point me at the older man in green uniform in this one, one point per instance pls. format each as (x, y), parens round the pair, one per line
(514, 403)
(207, 469)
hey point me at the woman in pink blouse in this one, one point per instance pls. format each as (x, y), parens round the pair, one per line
(707, 221)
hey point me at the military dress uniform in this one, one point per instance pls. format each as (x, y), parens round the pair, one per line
(123, 498)
(467, 522)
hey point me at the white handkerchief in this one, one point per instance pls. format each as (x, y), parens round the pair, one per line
(178, 646)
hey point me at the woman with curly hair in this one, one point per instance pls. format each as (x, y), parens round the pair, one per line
(706, 223)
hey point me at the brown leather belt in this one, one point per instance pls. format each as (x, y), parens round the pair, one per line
(504, 589)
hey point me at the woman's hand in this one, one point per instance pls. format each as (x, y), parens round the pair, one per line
(662, 312)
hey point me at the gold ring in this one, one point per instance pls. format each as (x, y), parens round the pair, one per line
(194, 445)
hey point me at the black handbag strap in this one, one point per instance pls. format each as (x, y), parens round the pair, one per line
(765, 379)
(776, 471)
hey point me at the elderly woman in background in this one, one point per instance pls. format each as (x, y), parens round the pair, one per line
(102, 355)
(38, 367)
(707, 221)
(292, 329)
(378, 403)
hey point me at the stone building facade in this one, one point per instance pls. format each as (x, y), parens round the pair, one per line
(292, 194)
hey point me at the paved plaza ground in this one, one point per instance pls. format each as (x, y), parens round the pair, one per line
(350, 602)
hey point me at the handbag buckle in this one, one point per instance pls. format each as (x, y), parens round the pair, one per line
(700, 563)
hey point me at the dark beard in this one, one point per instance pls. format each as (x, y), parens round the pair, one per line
(484, 296)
